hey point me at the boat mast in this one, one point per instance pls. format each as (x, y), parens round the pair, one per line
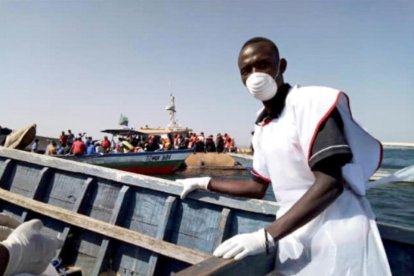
(171, 110)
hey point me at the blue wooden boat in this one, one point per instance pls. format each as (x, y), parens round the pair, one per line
(119, 222)
(148, 162)
(145, 162)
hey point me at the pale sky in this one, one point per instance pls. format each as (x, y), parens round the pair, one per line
(79, 64)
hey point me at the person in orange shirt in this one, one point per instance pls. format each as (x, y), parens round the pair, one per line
(78, 147)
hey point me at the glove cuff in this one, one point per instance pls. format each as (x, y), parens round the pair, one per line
(269, 241)
(15, 255)
(204, 181)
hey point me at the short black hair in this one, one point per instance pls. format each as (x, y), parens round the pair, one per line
(260, 39)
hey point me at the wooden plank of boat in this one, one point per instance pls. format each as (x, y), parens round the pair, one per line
(150, 163)
(260, 264)
(147, 206)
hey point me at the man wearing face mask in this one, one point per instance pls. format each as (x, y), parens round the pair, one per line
(318, 160)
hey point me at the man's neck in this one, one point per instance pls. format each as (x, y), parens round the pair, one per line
(275, 106)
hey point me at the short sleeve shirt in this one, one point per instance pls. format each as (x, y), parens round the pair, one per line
(330, 146)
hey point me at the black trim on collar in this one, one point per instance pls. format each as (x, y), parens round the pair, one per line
(278, 102)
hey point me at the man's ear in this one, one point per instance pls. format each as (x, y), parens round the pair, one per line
(282, 66)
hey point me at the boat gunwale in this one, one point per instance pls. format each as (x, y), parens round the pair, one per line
(141, 181)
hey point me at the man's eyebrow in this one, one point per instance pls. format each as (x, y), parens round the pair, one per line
(245, 67)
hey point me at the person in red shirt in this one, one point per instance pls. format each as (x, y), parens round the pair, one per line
(78, 147)
(106, 144)
(63, 138)
(228, 143)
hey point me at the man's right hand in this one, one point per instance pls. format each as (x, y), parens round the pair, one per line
(193, 183)
(29, 250)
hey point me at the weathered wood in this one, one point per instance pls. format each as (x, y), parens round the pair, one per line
(5, 170)
(196, 226)
(105, 243)
(76, 208)
(41, 183)
(168, 214)
(38, 189)
(225, 213)
(261, 264)
(142, 181)
(106, 229)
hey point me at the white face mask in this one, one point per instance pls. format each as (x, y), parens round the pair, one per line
(262, 86)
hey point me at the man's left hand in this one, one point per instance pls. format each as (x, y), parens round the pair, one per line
(243, 245)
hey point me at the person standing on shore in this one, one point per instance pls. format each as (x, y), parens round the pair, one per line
(318, 160)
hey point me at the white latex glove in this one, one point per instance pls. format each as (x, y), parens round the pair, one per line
(29, 250)
(243, 245)
(7, 225)
(193, 183)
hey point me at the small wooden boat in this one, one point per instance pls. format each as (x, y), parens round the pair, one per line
(145, 162)
(150, 162)
(119, 222)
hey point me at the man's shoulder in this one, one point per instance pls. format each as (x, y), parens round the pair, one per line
(312, 89)
(303, 94)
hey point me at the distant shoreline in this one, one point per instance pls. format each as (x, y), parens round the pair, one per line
(247, 150)
(397, 144)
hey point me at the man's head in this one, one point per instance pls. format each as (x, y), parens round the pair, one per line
(260, 54)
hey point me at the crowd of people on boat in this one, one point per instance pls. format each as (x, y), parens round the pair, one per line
(82, 144)
(202, 143)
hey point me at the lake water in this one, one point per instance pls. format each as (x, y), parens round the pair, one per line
(392, 203)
